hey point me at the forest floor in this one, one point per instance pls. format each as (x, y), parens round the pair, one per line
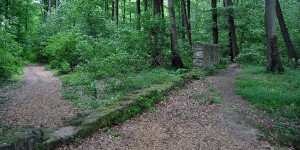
(36, 102)
(187, 119)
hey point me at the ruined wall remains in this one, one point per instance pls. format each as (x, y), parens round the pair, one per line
(205, 55)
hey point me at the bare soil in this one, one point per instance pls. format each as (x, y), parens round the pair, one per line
(37, 102)
(182, 121)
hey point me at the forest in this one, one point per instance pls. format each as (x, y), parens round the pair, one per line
(105, 50)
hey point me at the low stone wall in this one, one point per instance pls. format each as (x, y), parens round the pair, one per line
(205, 55)
(85, 125)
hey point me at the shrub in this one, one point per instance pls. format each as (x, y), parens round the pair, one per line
(10, 52)
(115, 64)
(62, 51)
(253, 55)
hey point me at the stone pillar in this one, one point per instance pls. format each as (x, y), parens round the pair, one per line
(205, 55)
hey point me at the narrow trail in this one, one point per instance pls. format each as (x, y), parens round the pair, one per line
(37, 102)
(182, 122)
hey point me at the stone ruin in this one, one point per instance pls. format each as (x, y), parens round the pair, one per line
(205, 55)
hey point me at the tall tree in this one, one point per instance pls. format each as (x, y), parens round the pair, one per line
(232, 35)
(106, 7)
(117, 12)
(274, 61)
(182, 21)
(156, 7)
(130, 12)
(162, 8)
(189, 9)
(186, 22)
(124, 10)
(284, 31)
(26, 15)
(56, 5)
(189, 17)
(176, 59)
(6, 8)
(145, 5)
(157, 50)
(138, 10)
(113, 10)
(49, 6)
(215, 22)
(45, 9)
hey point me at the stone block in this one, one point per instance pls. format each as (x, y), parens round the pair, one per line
(205, 55)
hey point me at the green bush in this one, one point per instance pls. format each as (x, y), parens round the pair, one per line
(10, 56)
(253, 55)
(62, 51)
(115, 65)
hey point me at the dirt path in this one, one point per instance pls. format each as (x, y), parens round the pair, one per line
(37, 102)
(184, 122)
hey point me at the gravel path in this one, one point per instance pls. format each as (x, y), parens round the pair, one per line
(37, 102)
(183, 122)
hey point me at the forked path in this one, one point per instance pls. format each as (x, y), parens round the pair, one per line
(182, 121)
(37, 102)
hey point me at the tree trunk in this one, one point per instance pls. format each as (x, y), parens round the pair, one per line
(113, 10)
(186, 24)
(56, 5)
(284, 31)
(176, 59)
(26, 18)
(124, 11)
(162, 8)
(49, 6)
(138, 10)
(6, 9)
(45, 9)
(130, 12)
(156, 7)
(274, 61)
(232, 35)
(215, 22)
(106, 7)
(156, 10)
(174, 40)
(189, 9)
(182, 21)
(117, 12)
(189, 16)
(145, 5)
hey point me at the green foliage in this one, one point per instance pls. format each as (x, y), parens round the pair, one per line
(279, 95)
(250, 28)
(87, 93)
(186, 53)
(157, 39)
(77, 138)
(252, 55)
(144, 79)
(62, 52)
(10, 56)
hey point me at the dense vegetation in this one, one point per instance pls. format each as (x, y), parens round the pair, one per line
(104, 50)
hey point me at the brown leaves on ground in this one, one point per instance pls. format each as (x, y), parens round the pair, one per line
(37, 102)
(183, 122)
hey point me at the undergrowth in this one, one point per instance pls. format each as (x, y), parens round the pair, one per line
(279, 96)
(87, 92)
